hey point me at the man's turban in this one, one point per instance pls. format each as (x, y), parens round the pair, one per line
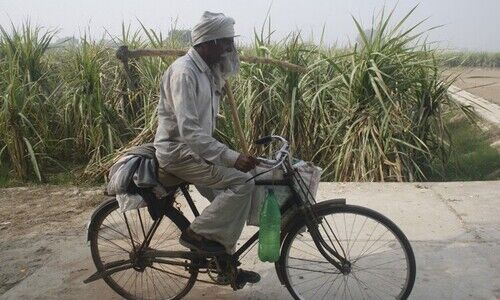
(212, 26)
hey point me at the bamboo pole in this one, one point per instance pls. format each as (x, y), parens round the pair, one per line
(124, 54)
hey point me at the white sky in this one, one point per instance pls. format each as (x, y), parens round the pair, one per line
(468, 24)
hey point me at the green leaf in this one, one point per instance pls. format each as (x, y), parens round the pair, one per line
(34, 162)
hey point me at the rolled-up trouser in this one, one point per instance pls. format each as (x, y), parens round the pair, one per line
(228, 191)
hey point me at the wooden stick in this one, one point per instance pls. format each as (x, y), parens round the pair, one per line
(123, 53)
(236, 119)
(271, 61)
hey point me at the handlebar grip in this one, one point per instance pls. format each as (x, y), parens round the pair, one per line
(264, 140)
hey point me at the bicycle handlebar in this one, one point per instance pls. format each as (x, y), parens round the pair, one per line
(281, 154)
(264, 140)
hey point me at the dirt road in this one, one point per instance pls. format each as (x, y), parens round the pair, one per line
(453, 227)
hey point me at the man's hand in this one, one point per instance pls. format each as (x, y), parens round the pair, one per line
(245, 163)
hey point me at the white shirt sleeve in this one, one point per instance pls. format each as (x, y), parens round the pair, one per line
(182, 87)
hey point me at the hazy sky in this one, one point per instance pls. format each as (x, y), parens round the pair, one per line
(468, 24)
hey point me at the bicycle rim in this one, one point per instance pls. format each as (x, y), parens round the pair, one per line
(112, 242)
(382, 261)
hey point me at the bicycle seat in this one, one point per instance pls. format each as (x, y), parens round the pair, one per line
(168, 180)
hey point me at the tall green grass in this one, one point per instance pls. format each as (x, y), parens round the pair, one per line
(25, 92)
(370, 112)
(93, 115)
(471, 157)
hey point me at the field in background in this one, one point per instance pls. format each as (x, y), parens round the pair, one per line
(374, 112)
(472, 59)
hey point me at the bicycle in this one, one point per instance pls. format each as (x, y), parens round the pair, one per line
(329, 249)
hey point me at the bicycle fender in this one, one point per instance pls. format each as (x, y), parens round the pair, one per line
(171, 212)
(295, 220)
(101, 206)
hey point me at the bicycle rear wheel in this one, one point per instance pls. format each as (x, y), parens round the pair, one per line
(382, 260)
(111, 241)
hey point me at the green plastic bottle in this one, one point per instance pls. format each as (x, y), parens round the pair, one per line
(270, 229)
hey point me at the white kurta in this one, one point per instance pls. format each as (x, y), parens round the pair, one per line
(187, 111)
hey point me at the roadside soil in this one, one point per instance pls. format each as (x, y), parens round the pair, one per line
(32, 219)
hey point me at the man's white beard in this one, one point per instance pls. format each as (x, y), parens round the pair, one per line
(229, 64)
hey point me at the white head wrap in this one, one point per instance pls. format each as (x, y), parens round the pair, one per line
(212, 26)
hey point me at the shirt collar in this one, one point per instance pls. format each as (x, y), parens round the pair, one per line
(200, 63)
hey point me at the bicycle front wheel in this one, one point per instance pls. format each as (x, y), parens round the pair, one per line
(381, 258)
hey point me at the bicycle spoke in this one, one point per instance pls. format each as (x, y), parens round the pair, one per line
(160, 240)
(120, 233)
(314, 287)
(159, 237)
(350, 235)
(308, 253)
(167, 272)
(309, 260)
(372, 244)
(317, 290)
(373, 288)
(360, 230)
(166, 279)
(360, 288)
(346, 230)
(331, 285)
(304, 269)
(310, 246)
(376, 266)
(113, 243)
(374, 252)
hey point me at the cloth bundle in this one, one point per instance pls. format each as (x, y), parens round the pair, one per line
(134, 182)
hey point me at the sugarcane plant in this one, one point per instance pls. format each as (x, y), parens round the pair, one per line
(371, 111)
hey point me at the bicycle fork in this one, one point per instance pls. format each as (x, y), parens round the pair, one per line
(313, 223)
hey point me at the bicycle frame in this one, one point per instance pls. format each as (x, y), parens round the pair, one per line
(304, 208)
(295, 199)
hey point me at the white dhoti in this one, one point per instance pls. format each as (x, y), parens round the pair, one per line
(229, 193)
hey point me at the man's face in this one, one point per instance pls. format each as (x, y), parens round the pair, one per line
(218, 48)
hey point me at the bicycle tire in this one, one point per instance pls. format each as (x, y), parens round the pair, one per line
(178, 220)
(326, 210)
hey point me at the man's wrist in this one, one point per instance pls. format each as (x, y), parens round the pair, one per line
(229, 157)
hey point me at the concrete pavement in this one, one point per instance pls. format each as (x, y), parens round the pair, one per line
(454, 229)
(487, 110)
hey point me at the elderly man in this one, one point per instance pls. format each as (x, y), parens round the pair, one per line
(190, 92)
